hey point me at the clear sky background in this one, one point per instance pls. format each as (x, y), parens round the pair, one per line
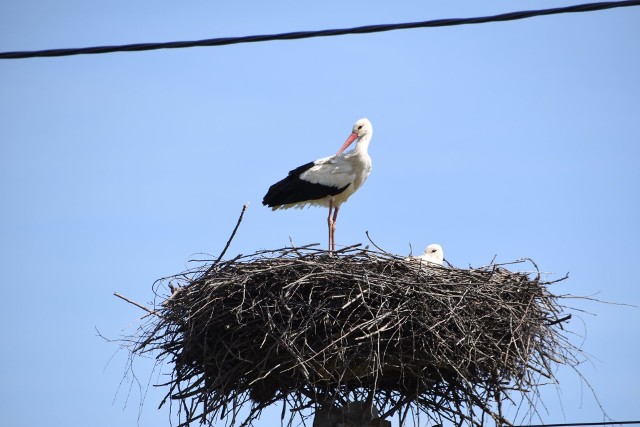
(517, 139)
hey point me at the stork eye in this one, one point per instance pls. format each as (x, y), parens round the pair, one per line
(359, 127)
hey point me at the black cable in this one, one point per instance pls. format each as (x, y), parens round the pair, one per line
(605, 423)
(322, 33)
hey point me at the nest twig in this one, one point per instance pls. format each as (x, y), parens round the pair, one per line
(298, 326)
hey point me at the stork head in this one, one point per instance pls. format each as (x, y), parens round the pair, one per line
(434, 253)
(361, 128)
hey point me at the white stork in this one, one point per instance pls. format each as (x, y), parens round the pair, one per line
(433, 254)
(329, 181)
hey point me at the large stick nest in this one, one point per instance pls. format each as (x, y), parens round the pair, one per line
(301, 327)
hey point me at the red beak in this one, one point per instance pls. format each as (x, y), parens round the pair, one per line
(347, 143)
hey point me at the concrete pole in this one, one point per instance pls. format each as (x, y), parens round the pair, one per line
(354, 414)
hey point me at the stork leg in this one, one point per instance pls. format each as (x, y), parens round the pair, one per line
(330, 226)
(333, 229)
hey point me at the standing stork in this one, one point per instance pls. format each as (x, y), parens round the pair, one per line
(329, 181)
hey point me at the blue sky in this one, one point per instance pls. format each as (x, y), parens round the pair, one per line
(517, 139)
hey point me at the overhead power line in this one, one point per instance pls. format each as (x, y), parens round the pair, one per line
(511, 16)
(605, 423)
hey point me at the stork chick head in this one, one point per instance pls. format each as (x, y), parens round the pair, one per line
(434, 254)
